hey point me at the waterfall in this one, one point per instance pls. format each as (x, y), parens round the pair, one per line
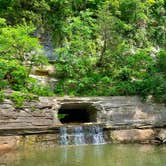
(97, 135)
(63, 136)
(80, 135)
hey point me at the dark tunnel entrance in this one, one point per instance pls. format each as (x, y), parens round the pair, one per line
(76, 113)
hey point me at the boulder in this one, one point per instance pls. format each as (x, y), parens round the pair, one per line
(162, 135)
(132, 135)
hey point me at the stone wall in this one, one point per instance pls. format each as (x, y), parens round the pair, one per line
(125, 119)
(115, 112)
(128, 112)
(41, 113)
(121, 112)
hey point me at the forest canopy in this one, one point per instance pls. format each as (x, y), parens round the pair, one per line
(102, 47)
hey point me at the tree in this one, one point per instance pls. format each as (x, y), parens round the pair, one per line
(17, 44)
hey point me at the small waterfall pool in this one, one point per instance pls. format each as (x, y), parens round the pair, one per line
(97, 155)
(82, 134)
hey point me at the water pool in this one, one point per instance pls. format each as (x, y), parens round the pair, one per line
(88, 155)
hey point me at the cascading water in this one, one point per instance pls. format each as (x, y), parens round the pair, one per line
(80, 135)
(97, 135)
(63, 136)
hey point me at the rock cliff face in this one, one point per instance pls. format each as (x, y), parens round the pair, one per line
(35, 114)
(115, 112)
(125, 119)
(120, 112)
(131, 112)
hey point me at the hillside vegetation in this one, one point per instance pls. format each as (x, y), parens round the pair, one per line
(102, 47)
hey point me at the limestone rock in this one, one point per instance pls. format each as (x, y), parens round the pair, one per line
(45, 80)
(120, 111)
(162, 135)
(39, 113)
(115, 112)
(8, 143)
(132, 135)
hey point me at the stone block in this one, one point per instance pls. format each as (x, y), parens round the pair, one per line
(132, 135)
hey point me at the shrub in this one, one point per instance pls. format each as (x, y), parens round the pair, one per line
(2, 96)
(12, 74)
(34, 87)
(16, 43)
(18, 99)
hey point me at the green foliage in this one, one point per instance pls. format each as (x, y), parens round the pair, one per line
(19, 98)
(17, 44)
(2, 22)
(161, 62)
(124, 37)
(62, 116)
(77, 75)
(15, 76)
(141, 75)
(12, 74)
(2, 96)
(158, 79)
(19, 11)
(109, 47)
(36, 88)
(19, 52)
(159, 88)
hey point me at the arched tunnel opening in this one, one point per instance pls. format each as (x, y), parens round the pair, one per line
(77, 113)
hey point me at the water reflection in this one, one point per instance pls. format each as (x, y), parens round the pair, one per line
(94, 155)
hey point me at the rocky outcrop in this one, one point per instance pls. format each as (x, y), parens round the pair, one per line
(45, 80)
(44, 76)
(133, 135)
(10, 143)
(41, 113)
(131, 112)
(7, 143)
(125, 119)
(162, 136)
(121, 112)
(114, 112)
